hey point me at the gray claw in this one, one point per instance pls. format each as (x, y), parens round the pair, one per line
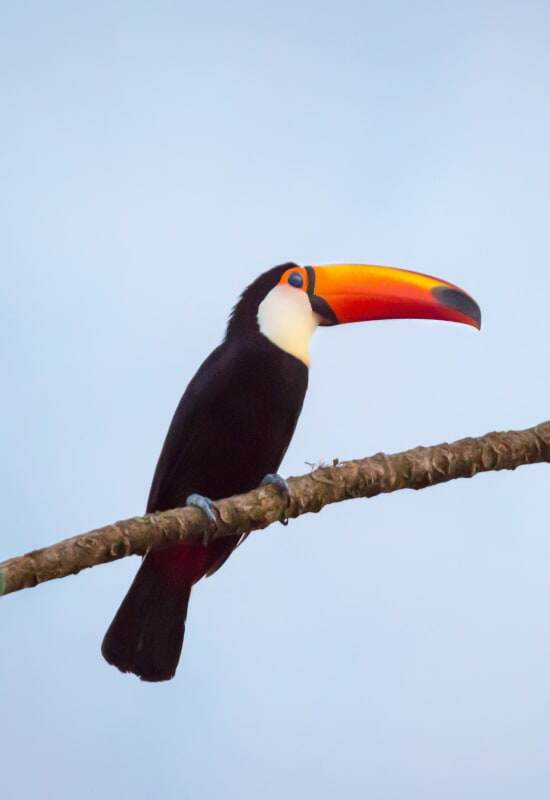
(276, 480)
(208, 508)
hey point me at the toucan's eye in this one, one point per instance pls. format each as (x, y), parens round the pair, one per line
(296, 279)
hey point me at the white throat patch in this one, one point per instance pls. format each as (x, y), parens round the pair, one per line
(285, 316)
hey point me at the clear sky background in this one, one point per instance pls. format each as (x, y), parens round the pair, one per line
(155, 158)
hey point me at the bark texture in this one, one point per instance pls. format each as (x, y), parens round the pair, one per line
(367, 477)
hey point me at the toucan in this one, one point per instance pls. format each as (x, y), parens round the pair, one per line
(235, 421)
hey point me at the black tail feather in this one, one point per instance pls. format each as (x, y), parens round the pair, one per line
(146, 635)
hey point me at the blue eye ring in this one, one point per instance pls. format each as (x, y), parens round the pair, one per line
(296, 279)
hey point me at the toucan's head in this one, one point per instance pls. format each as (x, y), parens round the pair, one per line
(287, 303)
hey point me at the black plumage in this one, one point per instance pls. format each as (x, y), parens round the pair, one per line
(231, 427)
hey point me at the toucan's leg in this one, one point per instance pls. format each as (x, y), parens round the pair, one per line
(209, 509)
(276, 480)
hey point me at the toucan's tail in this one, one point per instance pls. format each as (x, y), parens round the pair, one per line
(146, 635)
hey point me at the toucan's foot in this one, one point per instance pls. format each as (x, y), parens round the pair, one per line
(209, 509)
(276, 480)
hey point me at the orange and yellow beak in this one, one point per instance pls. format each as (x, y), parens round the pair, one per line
(342, 293)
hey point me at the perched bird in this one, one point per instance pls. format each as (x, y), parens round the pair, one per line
(234, 423)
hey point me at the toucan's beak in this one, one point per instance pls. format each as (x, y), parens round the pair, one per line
(359, 292)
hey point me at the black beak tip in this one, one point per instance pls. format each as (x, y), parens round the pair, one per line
(459, 301)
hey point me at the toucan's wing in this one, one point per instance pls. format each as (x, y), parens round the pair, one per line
(232, 425)
(189, 445)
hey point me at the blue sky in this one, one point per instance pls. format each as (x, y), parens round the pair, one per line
(155, 158)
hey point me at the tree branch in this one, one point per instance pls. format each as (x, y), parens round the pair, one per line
(367, 477)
